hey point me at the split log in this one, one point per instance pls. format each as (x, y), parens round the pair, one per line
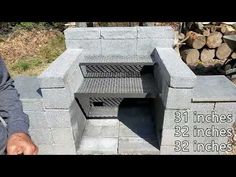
(207, 54)
(227, 29)
(223, 51)
(206, 32)
(233, 55)
(195, 40)
(214, 40)
(190, 56)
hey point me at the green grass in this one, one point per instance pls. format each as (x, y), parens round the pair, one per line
(34, 65)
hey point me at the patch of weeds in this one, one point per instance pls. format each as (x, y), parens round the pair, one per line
(25, 64)
(53, 49)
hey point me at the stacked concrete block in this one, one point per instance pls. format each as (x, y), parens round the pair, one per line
(215, 97)
(175, 83)
(123, 41)
(64, 117)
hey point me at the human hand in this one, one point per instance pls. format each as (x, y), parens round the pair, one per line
(21, 143)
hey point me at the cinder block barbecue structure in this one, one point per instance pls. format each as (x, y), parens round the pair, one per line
(104, 66)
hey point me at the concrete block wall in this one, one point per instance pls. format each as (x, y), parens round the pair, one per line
(175, 83)
(64, 117)
(119, 40)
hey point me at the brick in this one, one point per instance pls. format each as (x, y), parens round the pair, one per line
(41, 136)
(91, 47)
(98, 146)
(55, 75)
(59, 98)
(119, 47)
(146, 46)
(119, 33)
(160, 32)
(82, 33)
(175, 71)
(138, 146)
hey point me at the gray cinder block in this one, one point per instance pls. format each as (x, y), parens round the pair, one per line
(160, 32)
(91, 47)
(62, 135)
(41, 136)
(146, 46)
(214, 89)
(37, 119)
(57, 118)
(119, 33)
(57, 98)
(56, 74)
(82, 33)
(119, 47)
(98, 146)
(32, 104)
(175, 71)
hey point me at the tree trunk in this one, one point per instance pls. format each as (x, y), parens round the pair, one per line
(190, 56)
(214, 40)
(195, 40)
(223, 51)
(207, 54)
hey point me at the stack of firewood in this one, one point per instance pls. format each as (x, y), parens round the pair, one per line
(206, 44)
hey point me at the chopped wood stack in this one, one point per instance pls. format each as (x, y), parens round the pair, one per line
(206, 44)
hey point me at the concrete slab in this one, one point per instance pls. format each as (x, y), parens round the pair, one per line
(214, 89)
(138, 146)
(28, 87)
(101, 128)
(98, 146)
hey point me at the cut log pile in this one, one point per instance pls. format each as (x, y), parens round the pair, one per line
(203, 45)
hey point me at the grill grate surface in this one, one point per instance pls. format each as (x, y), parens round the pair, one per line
(118, 85)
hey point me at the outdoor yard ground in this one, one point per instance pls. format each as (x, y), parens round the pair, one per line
(29, 51)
